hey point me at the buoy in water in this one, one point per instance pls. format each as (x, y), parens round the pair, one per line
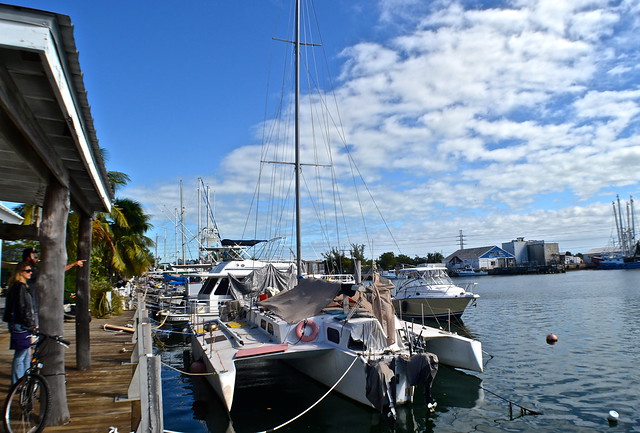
(612, 416)
(552, 339)
(197, 367)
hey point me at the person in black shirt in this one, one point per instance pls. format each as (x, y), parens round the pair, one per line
(20, 315)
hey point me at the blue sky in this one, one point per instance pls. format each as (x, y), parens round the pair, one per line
(502, 119)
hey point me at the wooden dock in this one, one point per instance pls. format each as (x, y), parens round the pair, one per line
(90, 394)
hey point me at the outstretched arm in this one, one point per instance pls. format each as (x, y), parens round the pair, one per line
(79, 263)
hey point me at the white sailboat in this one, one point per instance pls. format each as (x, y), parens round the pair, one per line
(345, 336)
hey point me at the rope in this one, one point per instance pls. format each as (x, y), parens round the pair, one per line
(169, 331)
(185, 372)
(162, 323)
(489, 359)
(314, 404)
(523, 410)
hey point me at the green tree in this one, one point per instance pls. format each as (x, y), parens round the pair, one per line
(336, 262)
(357, 252)
(387, 260)
(119, 247)
(405, 260)
(435, 257)
(119, 244)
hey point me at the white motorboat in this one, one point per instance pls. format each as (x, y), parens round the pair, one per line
(355, 345)
(468, 271)
(427, 291)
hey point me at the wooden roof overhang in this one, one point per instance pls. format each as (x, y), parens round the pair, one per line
(46, 127)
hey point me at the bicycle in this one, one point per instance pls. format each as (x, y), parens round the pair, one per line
(27, 404)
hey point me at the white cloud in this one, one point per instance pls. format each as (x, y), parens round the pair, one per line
(512, 121)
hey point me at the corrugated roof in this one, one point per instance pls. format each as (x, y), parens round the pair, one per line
(46, 127)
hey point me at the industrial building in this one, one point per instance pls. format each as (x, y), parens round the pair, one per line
(481, 258)
(515, 257)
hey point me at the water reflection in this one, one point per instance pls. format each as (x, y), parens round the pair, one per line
(270, 393)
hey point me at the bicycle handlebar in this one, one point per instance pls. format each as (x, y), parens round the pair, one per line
(55, 338)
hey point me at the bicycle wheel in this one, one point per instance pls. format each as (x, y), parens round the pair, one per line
(27, 405)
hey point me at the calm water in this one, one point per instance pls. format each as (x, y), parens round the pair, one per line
(591, 370)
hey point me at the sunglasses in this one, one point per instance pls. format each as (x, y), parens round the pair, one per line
(28, 270)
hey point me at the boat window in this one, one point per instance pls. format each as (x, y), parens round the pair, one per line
(333, 335)
(263, 324)
(208, 286)
(223, 287)
(356, 344)
(270, 328)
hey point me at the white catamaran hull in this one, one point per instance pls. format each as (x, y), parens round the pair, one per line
(221, 370)
(452, 349)
(329, 367)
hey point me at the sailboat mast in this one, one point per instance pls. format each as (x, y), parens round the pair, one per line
(182, 224)
(297, 140)
(200, 232)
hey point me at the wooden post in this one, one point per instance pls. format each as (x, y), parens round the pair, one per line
(50, 294)
(83, 294)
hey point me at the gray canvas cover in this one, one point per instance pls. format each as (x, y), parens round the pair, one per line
(305, 300)
(381, 305)
(376, 300)
(262, 280)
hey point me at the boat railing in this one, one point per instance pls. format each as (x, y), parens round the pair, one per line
(469, 287)
(343, 278)
(196, 306)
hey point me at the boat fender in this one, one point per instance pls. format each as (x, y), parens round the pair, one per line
(300, 328)
(198, 367)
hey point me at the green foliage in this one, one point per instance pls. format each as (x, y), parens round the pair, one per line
(387, 260)
(99, 304)
(404, 260)
(434, 258)
(357, 252)
(119, 240)
(335, 261)
(12, 250)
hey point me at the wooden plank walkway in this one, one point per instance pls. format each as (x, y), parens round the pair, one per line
(90, 394)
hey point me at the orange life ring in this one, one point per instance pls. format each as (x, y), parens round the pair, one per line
(301, 327)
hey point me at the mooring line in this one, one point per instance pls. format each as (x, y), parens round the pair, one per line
(186, 372)
(316, 403)
(523, 410)
(487, 361)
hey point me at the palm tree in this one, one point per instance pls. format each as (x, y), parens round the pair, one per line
(119, 246)
(131, 247)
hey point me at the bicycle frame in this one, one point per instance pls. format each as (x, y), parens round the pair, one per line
(27, 404)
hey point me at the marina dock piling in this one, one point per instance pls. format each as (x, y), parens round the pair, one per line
(145, 389)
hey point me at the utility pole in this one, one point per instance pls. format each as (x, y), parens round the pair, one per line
(461, 240)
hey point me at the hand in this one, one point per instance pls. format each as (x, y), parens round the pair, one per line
(80, 263)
